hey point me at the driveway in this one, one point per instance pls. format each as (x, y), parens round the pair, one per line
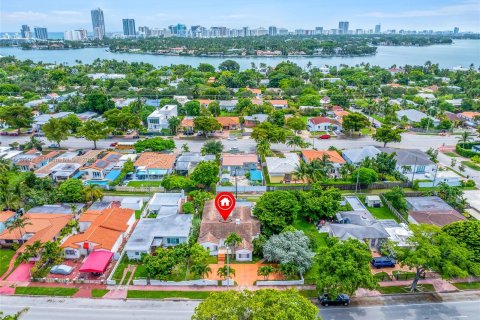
(245, 273)
(22, 273)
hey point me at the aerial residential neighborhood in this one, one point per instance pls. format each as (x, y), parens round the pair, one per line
(239, 173)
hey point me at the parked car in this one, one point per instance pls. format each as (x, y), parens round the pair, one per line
(61, 269)
(234, 149)
(341, 299)
(324, 136)
(113, 144)
(54, 146)
(231, 139)
(381, 262)
(374, 125)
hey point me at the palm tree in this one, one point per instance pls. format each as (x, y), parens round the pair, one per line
(31, 251)
(223, 272)
(301, 170)
(9, 200)
(92, 193)
(265, 271)
(173, 124)
(201, 270)
(295, 141)
(34, 143)
(464, 138)
(5, 165)
(263, 147)
(20, 223)
(212, 147)
(232, 240)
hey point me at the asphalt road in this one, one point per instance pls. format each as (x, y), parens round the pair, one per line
(44, 308)
(421, 311)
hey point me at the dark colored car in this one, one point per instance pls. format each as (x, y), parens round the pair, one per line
(381, 262)
(324, 136)
(340, 300)
(113, 144)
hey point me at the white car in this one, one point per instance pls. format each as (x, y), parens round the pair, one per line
(61, 269)
(231, 139)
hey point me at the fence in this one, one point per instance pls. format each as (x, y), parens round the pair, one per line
(280, 282)
(242, 189)
(139, 189)
(374, 186)
(394, 211)
(200, 282)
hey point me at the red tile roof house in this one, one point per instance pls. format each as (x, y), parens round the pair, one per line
(279, 104)
(239, 163)
(33, 159)
(333, 156)
(229, 123)
(186, 125)
(154, 165)
(5, 218)
(323, 124)
(106, 230)
(214, 230)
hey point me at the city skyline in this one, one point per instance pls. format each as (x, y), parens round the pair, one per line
(428, 15)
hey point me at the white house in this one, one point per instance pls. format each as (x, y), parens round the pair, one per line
(323, 124)
(415, 116)
(412, 163)
(158, 119)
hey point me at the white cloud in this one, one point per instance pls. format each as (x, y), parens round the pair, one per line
(450, 10)
(67, 13)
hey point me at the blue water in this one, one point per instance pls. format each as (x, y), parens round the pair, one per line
(460, 53)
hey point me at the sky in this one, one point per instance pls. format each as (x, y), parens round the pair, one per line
(59, 16)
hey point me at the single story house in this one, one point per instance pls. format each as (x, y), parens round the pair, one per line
(323, 124)
(163, 231)
(228, 105)
(471, 118)
(165, 204)
(412, 163)
(281, 169)
(33, 159)
(431, 210)
(154, 165)
(239, 164)
(106, 231)
(214, 230)
(133, 203)
(333, 156)
(446, 176)
(186, 125)
(254, 120)
(279, 104)
(357, 155)
(40, 120)
(415, 116)
(229, 123)
(188, 161)
(6, 217)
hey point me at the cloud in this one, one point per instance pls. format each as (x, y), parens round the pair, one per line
(449, 10)
(23, 15)
(67, 13)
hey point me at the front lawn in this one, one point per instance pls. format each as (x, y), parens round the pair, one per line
(140, 294)
(405, 289)
(99, 293)
(471, 165)
(144, 184)
(46, 291)
(451, 154)
(5, 257)
(467, 285)
(382, 213)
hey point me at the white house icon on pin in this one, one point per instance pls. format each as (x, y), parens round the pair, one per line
(225, 202)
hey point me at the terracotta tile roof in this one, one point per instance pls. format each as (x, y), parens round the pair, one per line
(438, 218)
(228, 121)
(204, 102)
(319, 120)
(337, 108)
(257, 101)
(5, 215)
(333, 156)
(50, 155)
(186, 122)
(44, 228)
(155, 160)
(213, 227)
(255, 91)
(104, 231)
(341, 113)
(238, 159)
(278, 102)
(89, 216)
(470, 114)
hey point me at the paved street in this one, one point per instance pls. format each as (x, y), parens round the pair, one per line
(421, 311)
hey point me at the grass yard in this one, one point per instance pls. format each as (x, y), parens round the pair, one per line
(46, 291)
(5, 257)
(382, 213)
(451, 154)
(467, 285)
(405, 289)
(144, 184)
(471, 165)
(140, 294)
(99, 293)
(309, 293)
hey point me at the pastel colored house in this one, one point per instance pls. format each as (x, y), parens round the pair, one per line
(186, 125)
(106, 230)
(33, 159)
(214, 230)
(102, 167)
(279, 104)
(239, 163)
(154, 165)
(323, 124)
(281, 169)
(333, 157)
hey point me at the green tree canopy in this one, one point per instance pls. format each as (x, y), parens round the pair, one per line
(468, 233)
(364, 176)
(154, 144)
(229, 65)
(354, 122)
(94, 130)
(206, 173)
(56, 130)
(276, 210)
(269, 132)
(71, 190)
(16, 116)
(386, 134)
(206, 124)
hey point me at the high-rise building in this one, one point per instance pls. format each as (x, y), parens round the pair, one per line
(343, 27)
(378, 28)
(144, 31)
(246, 31)
(283, 32)
(41, 33)
(318, 30)
(98, 24)
(456, 30)
(75, 35)
(25, 32)
(272, 31)
(129, 27)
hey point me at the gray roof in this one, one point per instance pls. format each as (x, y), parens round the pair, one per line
(148, 230)
(409, 157)
(187, 160)
(411, 114)
(432, 203)
(228, 103)
(166, 199)
(358, 225)
(56, 208)
(285, 165)
(100, 205)
(44, 118)
(358, 155)
(260, 117)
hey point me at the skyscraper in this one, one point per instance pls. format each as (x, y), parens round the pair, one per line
(272, 31)
(129, 27)
(41, 33)
(98, 24)
(456, 30)
(318, 30)
(25, 32)
(378, 28)
(343, 27)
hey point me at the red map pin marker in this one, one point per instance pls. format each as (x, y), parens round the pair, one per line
(225, 203)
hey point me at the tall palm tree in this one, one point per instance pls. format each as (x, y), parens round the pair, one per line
(465, 137)
(301, 170)
(5, 165)
(263, 147)
(295, 141)
(92, 193)
(20, 223)
(232, 240)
